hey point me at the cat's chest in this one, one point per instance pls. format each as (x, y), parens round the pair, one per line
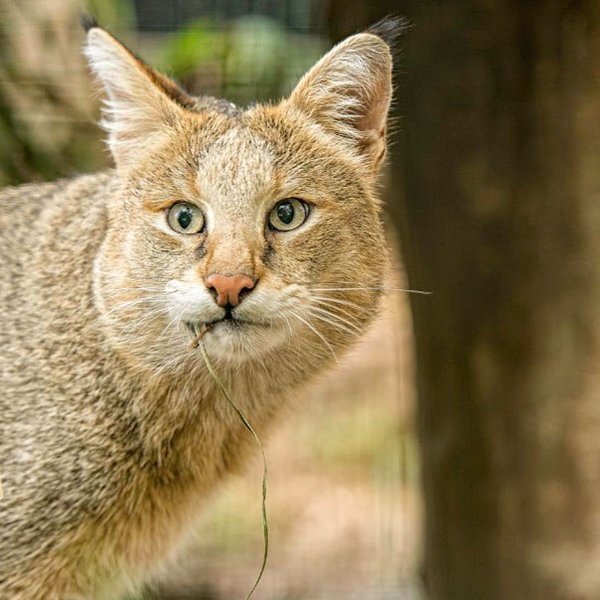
(140, 543)
(151, 514)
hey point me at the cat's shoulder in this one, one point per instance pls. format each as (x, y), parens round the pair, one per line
(21, 205)
(29, 214)
(32, 193)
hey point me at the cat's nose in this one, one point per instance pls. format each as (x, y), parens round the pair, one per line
(228, 288)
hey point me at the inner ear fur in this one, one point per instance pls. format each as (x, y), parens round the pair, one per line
(349, 91)
(141, 104)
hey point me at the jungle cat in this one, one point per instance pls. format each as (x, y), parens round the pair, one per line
(262, 222)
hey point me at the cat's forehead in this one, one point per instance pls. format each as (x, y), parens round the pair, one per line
(237, 168)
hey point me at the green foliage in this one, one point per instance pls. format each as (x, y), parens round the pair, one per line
(111, 13)
(47, 127)
(252, 58)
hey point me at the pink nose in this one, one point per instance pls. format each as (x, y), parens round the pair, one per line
(228, 287)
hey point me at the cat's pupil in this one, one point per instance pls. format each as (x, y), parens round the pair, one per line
(285, 212)
(184, 218)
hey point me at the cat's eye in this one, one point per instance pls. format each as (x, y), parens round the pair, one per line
(288, 214)
(185, 218)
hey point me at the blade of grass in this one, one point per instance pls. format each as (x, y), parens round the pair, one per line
(248, 426)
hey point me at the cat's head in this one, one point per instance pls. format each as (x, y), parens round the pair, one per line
(262, 222)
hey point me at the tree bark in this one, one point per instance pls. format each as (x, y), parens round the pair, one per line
(496, 194)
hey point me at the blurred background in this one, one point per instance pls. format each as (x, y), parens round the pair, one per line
(455, 453)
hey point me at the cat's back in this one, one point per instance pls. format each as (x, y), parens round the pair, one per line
(25, 214)
(49, 233)
(20, 208)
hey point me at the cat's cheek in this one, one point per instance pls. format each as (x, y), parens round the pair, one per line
(188, 300)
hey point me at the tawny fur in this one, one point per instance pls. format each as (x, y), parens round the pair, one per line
(112, 431)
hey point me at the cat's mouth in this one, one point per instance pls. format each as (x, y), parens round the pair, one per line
(233, 338)
(227, 322)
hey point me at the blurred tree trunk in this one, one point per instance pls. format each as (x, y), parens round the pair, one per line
(497, 198)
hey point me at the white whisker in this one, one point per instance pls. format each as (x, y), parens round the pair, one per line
(379, 288)
(335, 309)
(352, 327)
(316, 332)
(339, 326)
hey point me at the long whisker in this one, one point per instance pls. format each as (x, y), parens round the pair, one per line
(289, 325)
(145, 318)
(316, 332)
(351, 326)
(334, 300)
(380, 288)
(335, 309)
(124, 306)
(336, 325)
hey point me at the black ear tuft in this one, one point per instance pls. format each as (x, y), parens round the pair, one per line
(88, 22)
(390, 29)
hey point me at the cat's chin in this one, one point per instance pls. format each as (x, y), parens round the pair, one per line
(235, 341)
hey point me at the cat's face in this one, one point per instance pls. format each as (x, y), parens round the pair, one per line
(262, 224)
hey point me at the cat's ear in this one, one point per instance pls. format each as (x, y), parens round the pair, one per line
(348, 92)
(141, 104)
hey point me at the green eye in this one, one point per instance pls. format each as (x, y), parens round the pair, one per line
(185, 218)
(288, 214)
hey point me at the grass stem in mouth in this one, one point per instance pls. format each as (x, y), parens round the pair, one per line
(265, 523)
(200, 333)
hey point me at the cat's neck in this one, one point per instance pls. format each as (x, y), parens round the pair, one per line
(185, 410)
